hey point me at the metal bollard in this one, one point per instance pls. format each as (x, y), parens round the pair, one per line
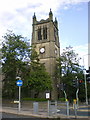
(35, 107)
(67, 103)
(75, 109)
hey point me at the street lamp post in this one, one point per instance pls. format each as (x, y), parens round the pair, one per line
(85, 86)
(84, 72)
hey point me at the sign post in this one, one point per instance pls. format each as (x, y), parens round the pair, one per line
(48, 97)
(19, 84)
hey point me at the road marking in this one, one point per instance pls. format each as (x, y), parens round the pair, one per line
(83, 110)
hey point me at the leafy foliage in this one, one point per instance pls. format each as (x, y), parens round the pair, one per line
(15, 50)
(70, 68)
(19, 59)
(38, 79)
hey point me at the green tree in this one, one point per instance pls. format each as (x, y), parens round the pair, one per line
(38, 79)
(20, 59)
(15, 51)
(70, 68)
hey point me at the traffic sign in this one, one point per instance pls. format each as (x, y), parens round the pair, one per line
(47, 95)
(19, 83)
(16, 101)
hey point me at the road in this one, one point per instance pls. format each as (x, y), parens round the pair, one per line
(17, 117)
(9, 116)
(83, 110)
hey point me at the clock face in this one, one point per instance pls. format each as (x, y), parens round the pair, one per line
(42, 50)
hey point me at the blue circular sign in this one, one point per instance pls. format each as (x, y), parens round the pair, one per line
(19, 82)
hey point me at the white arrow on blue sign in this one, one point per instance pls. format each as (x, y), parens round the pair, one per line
(19, 82)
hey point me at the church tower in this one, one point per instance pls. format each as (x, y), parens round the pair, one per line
(45, 38)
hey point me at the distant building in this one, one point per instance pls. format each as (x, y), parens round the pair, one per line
(46, 39)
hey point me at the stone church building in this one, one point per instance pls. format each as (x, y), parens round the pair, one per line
(46, 39)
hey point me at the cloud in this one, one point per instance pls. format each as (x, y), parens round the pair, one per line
(82, 51)
(17, 15)
(10, 5)
(14, 14)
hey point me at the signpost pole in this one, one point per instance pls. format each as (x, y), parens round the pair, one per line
(19, 98)
(19, 84)
(48, 107)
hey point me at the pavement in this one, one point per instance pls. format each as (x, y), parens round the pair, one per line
(27, 110)
(40, 114)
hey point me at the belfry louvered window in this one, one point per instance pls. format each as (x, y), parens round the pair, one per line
(39, 34)
(45, 33)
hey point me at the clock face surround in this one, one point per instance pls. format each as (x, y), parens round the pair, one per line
(42, 50)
